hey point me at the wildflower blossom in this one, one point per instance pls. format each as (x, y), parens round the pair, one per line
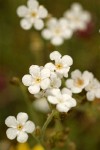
(37, 79)
(78, 81)
(93, 89)
(64, 102)
(57, 31)
(32, 15)
(62, 64)
(19, 127)
(77, 17)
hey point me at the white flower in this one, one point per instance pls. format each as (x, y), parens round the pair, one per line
(57, 31)
(19, 127)
(62, 64)
(78, 17)
(78, 81)
(64, 102)
(32, 15)
(93, 89)
(37, 79)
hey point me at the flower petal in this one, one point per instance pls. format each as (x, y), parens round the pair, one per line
(76, 74)
(47, 34)
(11, 133)
(11, 121)
(55, 55)
(57, 40)
(50, 66)
(32, 4)
(27, 80)
(66, 91)
(22, 117)
(34, 70)
(61, 107)
(45, 83)
(45, 73)
(52, 100)
(34, 89)
(38, 24)
(22, 137)
(67, 60)
(29, 127)
(25, 24)
(22, 11)
(42, 12)
(90, 96)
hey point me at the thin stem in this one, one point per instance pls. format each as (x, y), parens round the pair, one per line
(38, 141)
(47, 123)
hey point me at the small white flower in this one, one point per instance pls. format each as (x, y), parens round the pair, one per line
(19, 127)
(62, 64)
(93, 89)
(37, 79)
(78, 17)
(64, 102)
(78, 81)
(32, 15)
(57, 31)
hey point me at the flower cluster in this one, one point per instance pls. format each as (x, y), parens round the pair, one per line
(57, 30)
(45, 82)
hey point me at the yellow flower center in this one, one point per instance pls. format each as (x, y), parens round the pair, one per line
(33, 14)
(57, 31)
(59, 66)
(37, 80)
(19, 127)
(79, 82)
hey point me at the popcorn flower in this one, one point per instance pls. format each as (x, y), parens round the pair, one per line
(93, 89)
(32, 15)
(37, 79)
(77, 17)
(78, 81)
(57, 31)
(62, 64)
(19, 127)
(63, 101)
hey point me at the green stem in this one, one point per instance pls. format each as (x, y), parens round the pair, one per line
(28, 103)
(47, 123)
(37, 140)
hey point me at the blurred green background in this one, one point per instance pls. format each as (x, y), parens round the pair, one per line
(19, 49)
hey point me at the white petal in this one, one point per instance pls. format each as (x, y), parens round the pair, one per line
(11, 121)
(55, 55)
(76, 90)
(68, 33)
(56, 82)
(25, 24)
(42, 12)
(11, 133)
(55, 92)
(45, 73)
(65, 72)
(29, 127)
(66, 91)
(76, 74)
(97, 93)
(50, 66)
(22, 137)
(87, 75)
(22, 11)
(62, 108)
(47, 34)
(52, 100)
(90, 96)
(57, 40)
(38, 24)
(69, 83)
(27, 80)
(34, 89)
(32, 4)
(45, 83)
(22, 117)
(34, 70)
(72, 102)
(67, 60)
